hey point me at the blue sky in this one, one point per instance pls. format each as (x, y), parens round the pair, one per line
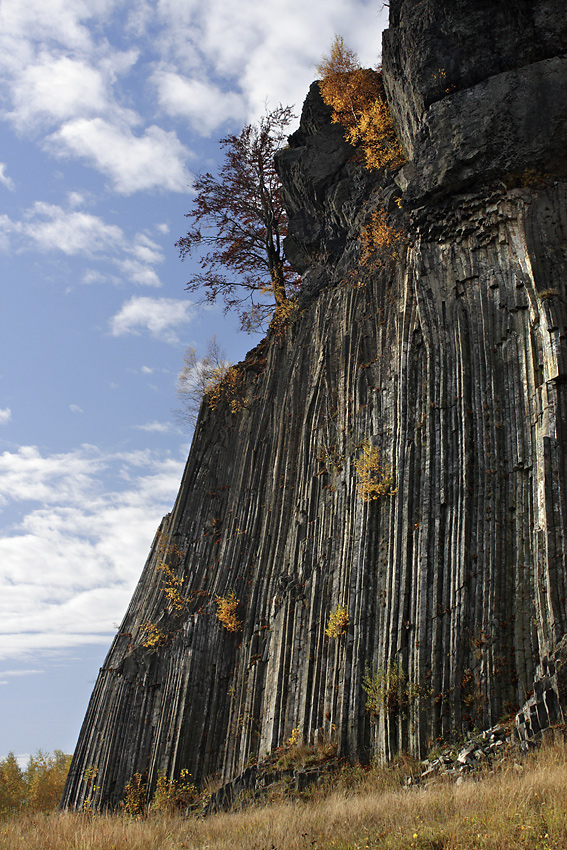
(107, 110)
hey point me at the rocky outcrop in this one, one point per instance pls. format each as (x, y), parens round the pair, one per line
(547, 706)
(435, 48)
(516, 121)
(449, 359)
(327, 195)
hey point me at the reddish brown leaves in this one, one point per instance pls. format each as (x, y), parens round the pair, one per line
(238, 224)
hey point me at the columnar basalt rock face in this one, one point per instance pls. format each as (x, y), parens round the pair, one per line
(451, 360)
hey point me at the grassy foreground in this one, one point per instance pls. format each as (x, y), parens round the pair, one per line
(518, 807)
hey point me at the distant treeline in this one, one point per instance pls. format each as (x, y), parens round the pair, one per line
(37, 788)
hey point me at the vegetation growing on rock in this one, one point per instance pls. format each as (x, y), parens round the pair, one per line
(227, 612)
(357, 98)
(338, 622)
(240, 220)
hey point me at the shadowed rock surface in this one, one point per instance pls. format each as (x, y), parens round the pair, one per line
(449, 358)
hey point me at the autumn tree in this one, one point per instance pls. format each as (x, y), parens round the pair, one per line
(12, 785)
(196, 376)
(357, 98)
(45, 778)
(238, 223)
(37, 788)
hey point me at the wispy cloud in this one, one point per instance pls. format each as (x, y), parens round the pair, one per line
(158, 316)
(66, 78)
(53, 228)
(50, 228)
(56, 88)
(5, 415)
(157, 427)
(28, 475)
(23, 672)
(4, 179)
(68, 566)
(239, 43)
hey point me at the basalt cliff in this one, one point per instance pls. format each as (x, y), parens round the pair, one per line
(447, 365)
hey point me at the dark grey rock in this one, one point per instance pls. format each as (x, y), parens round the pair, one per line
(325, 188)
(514, 121)
(547, 707)
(435, 48)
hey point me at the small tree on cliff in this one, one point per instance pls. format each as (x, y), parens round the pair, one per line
(238, 218)
(195, 378)
(357, 98)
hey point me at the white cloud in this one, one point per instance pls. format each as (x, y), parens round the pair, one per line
(10, 673)
(153, 161)
(5, 415)
(79, 70)
(139, 272)
(71, 78)
(68, 567)
(159, 316)
(76, 199)
(205, 105)
(57, 88)
(157, 427)
(256, 52)
(4, 179)
(28, 475)
(48, 227)
(74, 408)
(146, 250)
(73, 233)
(95, 276)
(62, 22)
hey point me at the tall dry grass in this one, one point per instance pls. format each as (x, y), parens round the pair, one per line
(518, 807)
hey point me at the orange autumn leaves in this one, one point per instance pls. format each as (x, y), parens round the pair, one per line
(357, 98)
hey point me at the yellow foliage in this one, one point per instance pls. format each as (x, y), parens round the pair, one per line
(283, 315)
(173, 794)
(227, 384)
(338, 622)
(171, 585)
(357, 98)
(340, 61)
(293, 738)
(176, 602)
(154, 636)
(374, 476)
(389, 689)
(45, 776)
(227, 607)
(134, 802)
(381, 243)
(89, 777)
(166, 549)
(12, 785)
(38, 788)
(374, 131)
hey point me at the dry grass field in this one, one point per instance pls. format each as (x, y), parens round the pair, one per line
(520, 806)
